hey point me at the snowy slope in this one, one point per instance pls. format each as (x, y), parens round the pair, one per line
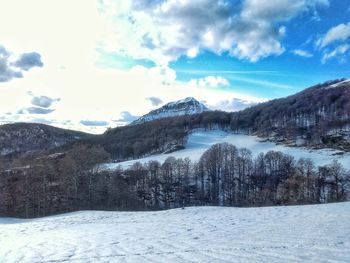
(186, 106)
(345, 83)
(200, 141)
(315, 233)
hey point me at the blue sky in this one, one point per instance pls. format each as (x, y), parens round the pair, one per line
(93, 64)
(293, 71)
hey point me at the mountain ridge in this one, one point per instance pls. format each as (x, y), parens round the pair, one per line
(18, 138)
(318, 116)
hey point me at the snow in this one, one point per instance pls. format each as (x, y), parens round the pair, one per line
(200, 140)
(187, 106)
(313, 233)
(342, 83)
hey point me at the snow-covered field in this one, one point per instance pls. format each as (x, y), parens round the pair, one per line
(200, 141)
(313, 233)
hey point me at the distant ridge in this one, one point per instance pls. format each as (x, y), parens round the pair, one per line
(19, 138)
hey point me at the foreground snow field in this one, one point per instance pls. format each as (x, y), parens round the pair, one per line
(199, 141)
(313, 233)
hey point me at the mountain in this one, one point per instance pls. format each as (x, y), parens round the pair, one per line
(19, 138)
(318, 116)
(183, 107)
(67, 178)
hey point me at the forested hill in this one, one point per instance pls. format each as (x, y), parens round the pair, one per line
(19, 138)
(316, 117)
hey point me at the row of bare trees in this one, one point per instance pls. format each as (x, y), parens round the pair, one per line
(224, 176)
(44, 185)
(228, 176)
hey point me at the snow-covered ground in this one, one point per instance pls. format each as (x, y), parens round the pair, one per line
(312, 233)
(199, 141)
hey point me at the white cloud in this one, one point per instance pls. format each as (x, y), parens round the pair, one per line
(340, 52)
(334, 44)
(94, 123)
(29, 60)
(302, 53)
(126, 117)
(35, 110)
(210, 82)
(42, 101)
(282, 10)
(339, 33)
(12, 67)
(164, 30)
(100, 94)
(155, 101)
(233, 104)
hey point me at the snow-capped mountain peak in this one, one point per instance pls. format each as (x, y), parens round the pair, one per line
(187, 106)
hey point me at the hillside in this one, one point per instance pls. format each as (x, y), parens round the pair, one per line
(201, 140)
(313, 233)
(19, 138)
(318, 117)
(222, 175)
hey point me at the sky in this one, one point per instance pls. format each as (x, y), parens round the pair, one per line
(94, 64)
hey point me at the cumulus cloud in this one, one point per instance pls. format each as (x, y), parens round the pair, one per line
(94, 123)
(10, 68)
(3, 52)
(339, 33)
(234, 104)
(164, 30)
(155, 101)
(302, 53)
(334, 44)
(210, 82)
(43, 101)
(7, 73)
(340, 52)
(43, 121)
(35, 110)
(127, 117)
(29, 60)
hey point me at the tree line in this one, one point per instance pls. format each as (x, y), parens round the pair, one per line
(227, 176)
(224, 176)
